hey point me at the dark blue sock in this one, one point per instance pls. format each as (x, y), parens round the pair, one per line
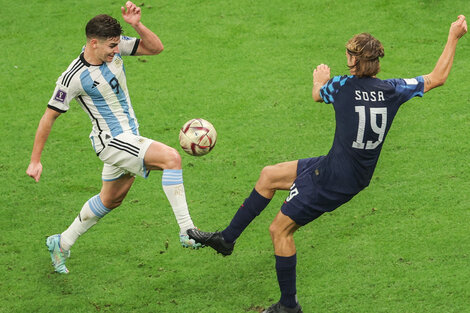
(286, 276)
(250, 209)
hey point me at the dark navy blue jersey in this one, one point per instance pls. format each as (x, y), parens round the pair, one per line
(364, 110)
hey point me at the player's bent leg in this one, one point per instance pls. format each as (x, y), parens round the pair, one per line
(113, 192)
(111, 195)
(272, 178)
(162, 157)
(276, 177)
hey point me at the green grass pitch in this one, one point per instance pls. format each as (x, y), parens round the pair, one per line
(400, 246)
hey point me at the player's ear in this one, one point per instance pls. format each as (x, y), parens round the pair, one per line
(93, 42)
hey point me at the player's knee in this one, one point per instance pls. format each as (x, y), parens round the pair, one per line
(173, 159)
(267, 175)
(274, 230)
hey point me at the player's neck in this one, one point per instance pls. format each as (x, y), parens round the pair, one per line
(90, 57)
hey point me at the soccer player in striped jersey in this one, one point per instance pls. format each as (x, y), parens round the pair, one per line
(364, 108)
(97, 80)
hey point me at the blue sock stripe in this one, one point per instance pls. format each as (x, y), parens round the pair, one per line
(172, 177)
(173, 171)
(97, 207)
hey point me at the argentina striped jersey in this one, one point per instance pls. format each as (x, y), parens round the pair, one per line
(101, 90)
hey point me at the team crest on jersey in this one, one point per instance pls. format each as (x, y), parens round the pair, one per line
(125, 38)
(60, 96)
(117, 61)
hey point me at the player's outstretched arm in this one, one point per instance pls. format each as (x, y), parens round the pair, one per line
(442, 69)
(42, 133)
(321, 75)
(149, 44)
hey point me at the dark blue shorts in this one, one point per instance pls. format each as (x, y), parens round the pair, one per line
(308, 198)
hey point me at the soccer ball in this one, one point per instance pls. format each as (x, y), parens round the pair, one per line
(197, 137)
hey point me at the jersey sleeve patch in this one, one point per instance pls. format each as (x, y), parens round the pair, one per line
(411, 87)
(411, 81)
(407, 88)
(60, 96)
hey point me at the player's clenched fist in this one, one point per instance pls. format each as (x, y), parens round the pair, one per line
(459, 27)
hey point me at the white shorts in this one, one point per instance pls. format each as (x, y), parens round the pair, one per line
(124, 154)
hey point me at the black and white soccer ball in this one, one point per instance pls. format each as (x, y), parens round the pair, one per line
(197, 137)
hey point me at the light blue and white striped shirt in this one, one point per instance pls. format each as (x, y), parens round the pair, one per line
(102, 92)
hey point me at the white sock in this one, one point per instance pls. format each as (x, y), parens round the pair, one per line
(172, 182)
(90, 214)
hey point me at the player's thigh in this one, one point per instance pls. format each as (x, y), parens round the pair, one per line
(280, 176)
(160, 156)
(113, 192)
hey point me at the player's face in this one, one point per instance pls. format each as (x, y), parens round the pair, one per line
(106, 49)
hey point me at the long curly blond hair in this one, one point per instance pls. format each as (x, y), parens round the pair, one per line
(367, 50)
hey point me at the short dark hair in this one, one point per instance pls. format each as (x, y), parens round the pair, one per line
(367, 51)
(103, 26)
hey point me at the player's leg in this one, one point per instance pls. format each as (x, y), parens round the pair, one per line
(162, 157)
(276, 177)
(299, 208)
(272, 178)
(111, 195)
(282, 231)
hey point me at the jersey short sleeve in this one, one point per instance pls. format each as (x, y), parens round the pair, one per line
(66, 89)
(331, 88)
(128, 45)
(407, 88)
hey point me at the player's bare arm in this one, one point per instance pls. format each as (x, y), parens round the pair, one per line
(442, 69)
(321, 75)
(45, 125)
(149, 44)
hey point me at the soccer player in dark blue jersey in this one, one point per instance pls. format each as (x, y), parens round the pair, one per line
(364, 108)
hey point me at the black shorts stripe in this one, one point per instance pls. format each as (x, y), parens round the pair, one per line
(125, 145)
(111, 144)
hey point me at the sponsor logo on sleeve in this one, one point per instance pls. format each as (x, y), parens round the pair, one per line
(125, 38)
(60, 96)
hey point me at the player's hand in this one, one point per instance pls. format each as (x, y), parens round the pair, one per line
(321, 74)
(131, 13)
(458, 28)
(34, 170)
